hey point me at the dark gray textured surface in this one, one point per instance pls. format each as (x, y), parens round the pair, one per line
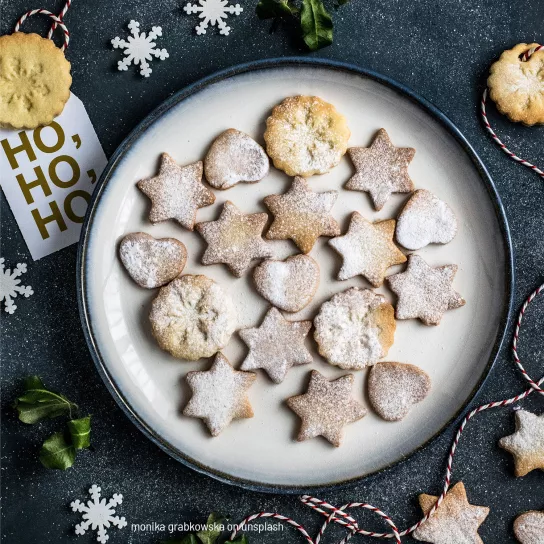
(440, 49)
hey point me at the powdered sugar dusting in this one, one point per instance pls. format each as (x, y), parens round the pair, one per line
(529, 528)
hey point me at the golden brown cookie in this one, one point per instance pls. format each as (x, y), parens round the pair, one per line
(305, 136)
(34, 81)
(393, 388)
(235, 239)
(219, 395)
(355, 328)
(367, 249)
(527, 443)
(302, 215)
(234, 157)
(192, 317)
(455, 520)
(326, 407)
(517, 86)
(529, 527)
(152, 262)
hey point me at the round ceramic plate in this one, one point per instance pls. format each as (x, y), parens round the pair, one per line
(262, 452)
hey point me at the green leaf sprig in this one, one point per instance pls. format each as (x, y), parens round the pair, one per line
(316, 24)
(38, 403)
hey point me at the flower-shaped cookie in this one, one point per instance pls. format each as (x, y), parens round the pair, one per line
(517, 86)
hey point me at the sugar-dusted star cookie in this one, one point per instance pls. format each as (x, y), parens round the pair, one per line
(176, 192)
(326, 407)
(235, 239)
(424, 292)
(527, 443)
(276, 345)
(367, 249)
(529, 527)
(456, 521)
(381, 169)
(219, 395)
(302, 215)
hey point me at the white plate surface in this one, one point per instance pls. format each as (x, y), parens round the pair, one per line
(262, 450)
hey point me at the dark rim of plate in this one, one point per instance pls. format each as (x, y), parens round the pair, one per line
(195, 88)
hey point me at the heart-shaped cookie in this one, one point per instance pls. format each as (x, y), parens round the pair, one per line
(289, 285)
(152, 262)
(235, 157)
(425, 220)
(529, 528)
(394, 387)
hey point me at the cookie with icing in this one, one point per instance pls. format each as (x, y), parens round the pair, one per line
(219, 395)
(235, 157)
(355, 328)
(305, 136)
(529, 527)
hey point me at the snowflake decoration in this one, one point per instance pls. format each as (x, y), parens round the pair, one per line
(98, 514)
(139, 48)
(212, 13)
(9, 285)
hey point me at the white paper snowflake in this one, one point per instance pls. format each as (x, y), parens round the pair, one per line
(9, 285)
(98, 514)
(212, 13)
(139, 48)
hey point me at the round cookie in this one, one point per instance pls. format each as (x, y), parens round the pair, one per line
(529, 527)
(192, 317)
(305, 136)
(517, 87)
(234, 157)
(34, 81)
(152, 262)
(355, 328)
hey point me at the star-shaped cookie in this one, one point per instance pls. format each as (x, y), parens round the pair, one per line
(176, 192)
(219, 394)
(326, 407)
(276, 345)
(424, 292)
(235, 239)
(456, 521)
(381, 169)
(527, 443)
(367, 249)
(302, 215)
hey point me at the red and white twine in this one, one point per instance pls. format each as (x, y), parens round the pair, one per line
(57, 22)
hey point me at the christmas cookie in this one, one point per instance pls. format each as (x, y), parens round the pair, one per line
(326, 407)
(367, 249)
(393, 388)
(517, 87)
(235, 239)
(276, 345)
(529, 528)
(527, 443)
(355, 328)
(34, 81)
(192, 317)
(151, 262)
(425, 219)
(290, 284)
(302, 215)
(381, 169)
(305, 136)
(234, 157)
(424, 292)
(454, 521)
(219, 395)
(176, 192)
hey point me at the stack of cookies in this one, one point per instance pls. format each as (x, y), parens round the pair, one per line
(193, 317)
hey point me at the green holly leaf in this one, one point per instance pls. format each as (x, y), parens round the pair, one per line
(57, 452)
(271, 9)
(38, 403)
(316, 24)
(80, 432)
(214, 527)
(242, 539)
